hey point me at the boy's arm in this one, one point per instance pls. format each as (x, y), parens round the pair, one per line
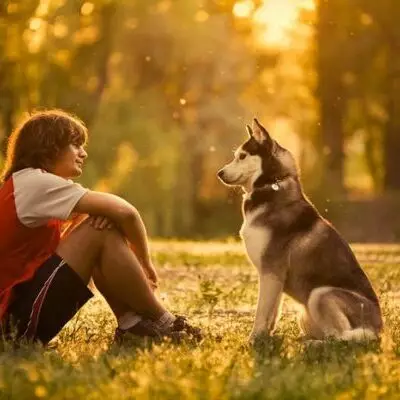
(125, 217)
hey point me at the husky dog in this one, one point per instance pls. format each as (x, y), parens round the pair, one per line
(295, 250)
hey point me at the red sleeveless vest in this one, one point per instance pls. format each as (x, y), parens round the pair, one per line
(22, 249)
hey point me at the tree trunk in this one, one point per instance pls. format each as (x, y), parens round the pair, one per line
(386, 15)
(391, 139)
(105, 47)
(330, 92)
(6, 115)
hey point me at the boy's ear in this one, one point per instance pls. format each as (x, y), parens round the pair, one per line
(261, 134)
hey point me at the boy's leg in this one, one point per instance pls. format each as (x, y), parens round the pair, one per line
(87, 249)
(118, 307)
(126, 318)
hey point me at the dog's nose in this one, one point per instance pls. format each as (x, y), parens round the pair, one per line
(220, 173)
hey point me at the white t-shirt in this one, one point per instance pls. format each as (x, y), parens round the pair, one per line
(41, 196)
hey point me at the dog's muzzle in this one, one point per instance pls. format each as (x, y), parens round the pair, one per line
(225, 178)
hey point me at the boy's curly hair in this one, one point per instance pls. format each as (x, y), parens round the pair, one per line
(39, 139)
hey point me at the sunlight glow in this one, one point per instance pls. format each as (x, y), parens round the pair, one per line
(60, 29)
(275, 18)
(243, 9)
(201, 16)
(163, 6)
(43, 8)
(35, 24)
(87, 8)
(366, 19)
(34, 36)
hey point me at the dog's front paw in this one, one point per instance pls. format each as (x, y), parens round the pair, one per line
(251, 339)
(257, 337)
(266, 344)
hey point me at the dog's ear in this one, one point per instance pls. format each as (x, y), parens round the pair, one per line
(260, 133)
(249, 130)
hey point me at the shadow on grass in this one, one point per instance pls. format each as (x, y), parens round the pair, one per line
(268, 346)
(336, 350)
(286, 368)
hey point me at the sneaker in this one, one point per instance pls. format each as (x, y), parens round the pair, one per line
(147, 329)
(181, 325)
(178, 331)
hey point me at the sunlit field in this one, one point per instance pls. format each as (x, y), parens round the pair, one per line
(215, 286)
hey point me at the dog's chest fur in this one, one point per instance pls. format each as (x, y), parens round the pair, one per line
(255, 235)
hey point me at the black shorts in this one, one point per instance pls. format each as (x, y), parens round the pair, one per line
(42, 305)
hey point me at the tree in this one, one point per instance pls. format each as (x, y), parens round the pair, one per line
(331, 64)
(54, 56)
(183, 82)
(14, 18)
(380, 65)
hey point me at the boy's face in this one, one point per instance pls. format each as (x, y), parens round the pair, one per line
(69, 163)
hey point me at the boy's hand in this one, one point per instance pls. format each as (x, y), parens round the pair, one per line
(148, 268)
(100, 223)
(152, 275)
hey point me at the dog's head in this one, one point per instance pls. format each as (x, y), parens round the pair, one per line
(258, 161)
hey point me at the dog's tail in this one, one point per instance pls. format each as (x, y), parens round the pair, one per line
(359, 335)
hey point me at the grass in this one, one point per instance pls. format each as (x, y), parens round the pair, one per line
(215, 286)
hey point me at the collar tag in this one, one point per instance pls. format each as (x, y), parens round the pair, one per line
(275, 186)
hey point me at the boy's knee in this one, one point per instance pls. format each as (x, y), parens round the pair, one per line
(88, 233)
(105, 234)
(85, 243)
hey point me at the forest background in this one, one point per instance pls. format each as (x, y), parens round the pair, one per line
(167, 86)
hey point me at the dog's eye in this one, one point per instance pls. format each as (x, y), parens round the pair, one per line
(242, 156)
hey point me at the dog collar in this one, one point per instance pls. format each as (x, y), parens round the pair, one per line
(275, 186)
